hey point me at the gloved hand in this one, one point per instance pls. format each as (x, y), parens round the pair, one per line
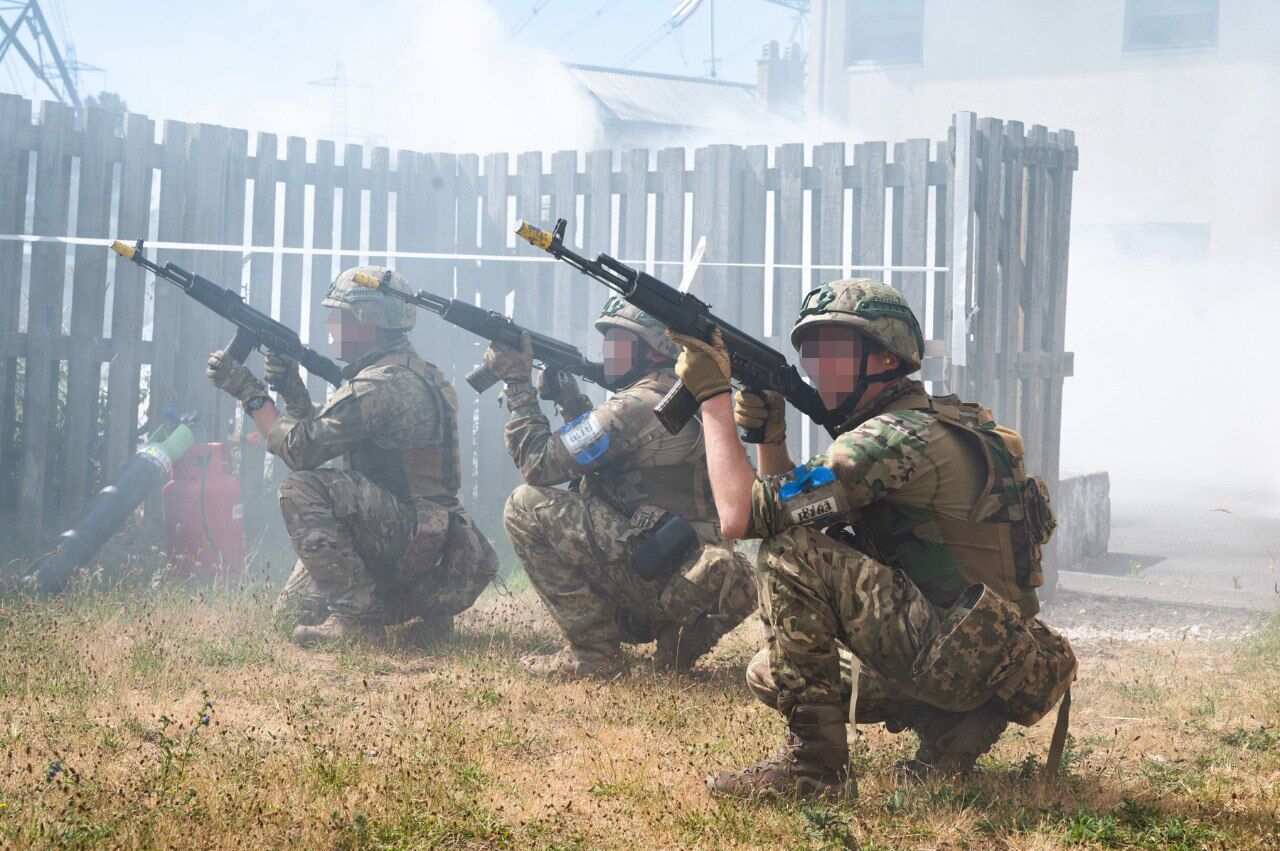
(509, 364)
(282, 373)
(234, 378)
(562, 389)
(752, 410)
(703, 367)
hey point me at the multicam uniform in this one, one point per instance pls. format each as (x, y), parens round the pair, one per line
(938, 502)
(913, 544)
(628, 473)
(385, 536)
(627, 477)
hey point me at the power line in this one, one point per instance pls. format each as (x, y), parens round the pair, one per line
(585, 22)
(526, 19)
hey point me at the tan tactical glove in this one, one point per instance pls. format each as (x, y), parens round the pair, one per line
(703, 367)
(562, 389)
(282, 373)
(509, 364)
(752, 410)
(232, 377)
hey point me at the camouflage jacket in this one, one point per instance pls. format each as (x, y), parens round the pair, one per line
(930, 486)
(393, 419)
(618, 451)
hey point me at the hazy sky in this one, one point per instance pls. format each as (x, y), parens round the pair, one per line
(439, 74)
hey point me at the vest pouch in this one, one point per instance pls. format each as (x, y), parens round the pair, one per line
(1039, 513)
(659, 553)
(982, 552)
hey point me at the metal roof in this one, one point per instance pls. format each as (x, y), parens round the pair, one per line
(671, 100)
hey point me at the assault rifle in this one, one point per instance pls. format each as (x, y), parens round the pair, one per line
(754, 365)
(559, 358)
(254, 329)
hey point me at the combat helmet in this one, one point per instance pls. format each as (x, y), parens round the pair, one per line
(617, 313)
(371, 306)
(874, 309)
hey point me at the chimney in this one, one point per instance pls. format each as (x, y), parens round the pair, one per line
(780, 80)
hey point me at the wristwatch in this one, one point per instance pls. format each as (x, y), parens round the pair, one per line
(253, 403)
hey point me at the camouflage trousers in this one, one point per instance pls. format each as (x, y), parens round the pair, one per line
(576, 549)
(364, 552)
(818, 594)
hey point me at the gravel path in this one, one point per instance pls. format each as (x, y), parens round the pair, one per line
(1088, 617)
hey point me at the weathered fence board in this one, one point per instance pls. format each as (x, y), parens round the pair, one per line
(774, 227)
(44, 314)
(88, 301)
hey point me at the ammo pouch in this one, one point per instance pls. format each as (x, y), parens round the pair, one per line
(1038, 511)
(663, 548)
(984, 649)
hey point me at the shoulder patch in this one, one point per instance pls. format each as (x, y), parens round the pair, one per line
(813, 496)
(584, 438)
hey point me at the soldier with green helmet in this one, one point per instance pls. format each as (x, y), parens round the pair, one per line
(384, 539)
(631, 552)
(909, 550)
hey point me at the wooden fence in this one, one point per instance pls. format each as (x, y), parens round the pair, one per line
(90, 349)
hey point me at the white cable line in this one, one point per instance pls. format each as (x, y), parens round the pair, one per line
(438, 255)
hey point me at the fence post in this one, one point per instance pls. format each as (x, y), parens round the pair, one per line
(15, 119)
(262, 232)
(125, 372)
(88, 301)
(44, 316)
(1055, 338)
(960, 216)
(987, 255)
(321, 263)
(1014, 272)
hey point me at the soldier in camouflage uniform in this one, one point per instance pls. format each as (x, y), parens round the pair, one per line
(383, 539)
(912, 545)
(629, 479)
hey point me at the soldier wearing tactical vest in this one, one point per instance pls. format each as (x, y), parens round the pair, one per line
(631, 552)
(384, 539)
(912, 545)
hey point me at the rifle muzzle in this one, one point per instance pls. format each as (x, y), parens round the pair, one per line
(123, 249)
(534, 235)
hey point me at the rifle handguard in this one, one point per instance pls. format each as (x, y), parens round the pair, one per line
(481, 378)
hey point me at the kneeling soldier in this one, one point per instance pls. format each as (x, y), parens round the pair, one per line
(631, 551)
(912, 544)
(384, 539)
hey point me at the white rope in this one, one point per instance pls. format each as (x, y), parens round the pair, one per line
(437, 255)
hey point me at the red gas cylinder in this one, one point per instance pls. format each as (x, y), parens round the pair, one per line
(204, 514)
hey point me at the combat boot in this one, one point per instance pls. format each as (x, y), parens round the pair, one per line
(336, 628)
(680, 647)
(951, 742)
(577, 662)
(813, 763)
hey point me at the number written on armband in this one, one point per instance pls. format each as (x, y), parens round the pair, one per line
(584, 438)
(813, 496)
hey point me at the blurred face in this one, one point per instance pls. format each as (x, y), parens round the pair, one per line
(621, 350)
(832, 356)
(350, 340)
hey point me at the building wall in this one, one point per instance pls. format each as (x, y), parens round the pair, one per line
(1161, 134)
(1175, 262)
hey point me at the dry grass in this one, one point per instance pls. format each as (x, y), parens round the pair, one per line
(169, 717)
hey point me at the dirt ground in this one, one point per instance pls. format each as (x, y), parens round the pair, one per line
(179, 717)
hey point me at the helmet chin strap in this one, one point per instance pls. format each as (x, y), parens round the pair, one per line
(643, 366)
(849, 406)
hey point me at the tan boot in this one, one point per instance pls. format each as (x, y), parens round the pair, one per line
(813, 763)
(951, 742)
(680, 647)
(577, 662)
(335, 628)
